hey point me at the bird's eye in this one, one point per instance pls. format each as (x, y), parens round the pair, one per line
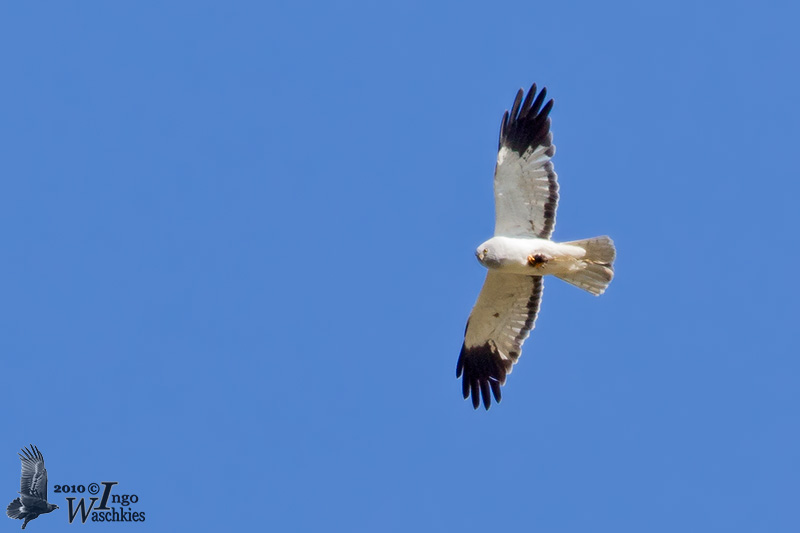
(485, 252)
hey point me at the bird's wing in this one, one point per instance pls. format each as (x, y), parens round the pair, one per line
(33, 481)
(525, 184)
(501, 320)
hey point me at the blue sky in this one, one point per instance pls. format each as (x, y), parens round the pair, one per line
(238, 260)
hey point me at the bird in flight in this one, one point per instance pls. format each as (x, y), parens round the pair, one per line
(32, 488)
(521, 253)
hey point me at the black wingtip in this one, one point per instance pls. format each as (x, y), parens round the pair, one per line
(526, 105)
(496, 391)
(482, 372)
(487, 399)
(526, 126)
(31, 453)
(517, 103)
(503, 126)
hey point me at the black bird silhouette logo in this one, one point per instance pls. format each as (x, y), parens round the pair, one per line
(32, 488)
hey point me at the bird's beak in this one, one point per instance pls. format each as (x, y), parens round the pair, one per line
(479, 255)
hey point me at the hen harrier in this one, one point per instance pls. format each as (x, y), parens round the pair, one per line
(521, 253)
(32, 488)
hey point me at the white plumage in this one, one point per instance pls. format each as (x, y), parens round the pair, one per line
(521, 252)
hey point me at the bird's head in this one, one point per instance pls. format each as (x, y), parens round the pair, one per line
(52, 506)
(487, 255)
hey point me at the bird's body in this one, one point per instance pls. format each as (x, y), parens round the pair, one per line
(530, 257)
(521, 252)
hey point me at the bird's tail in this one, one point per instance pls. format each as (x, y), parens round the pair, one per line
(598, 267)
(13, 509)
